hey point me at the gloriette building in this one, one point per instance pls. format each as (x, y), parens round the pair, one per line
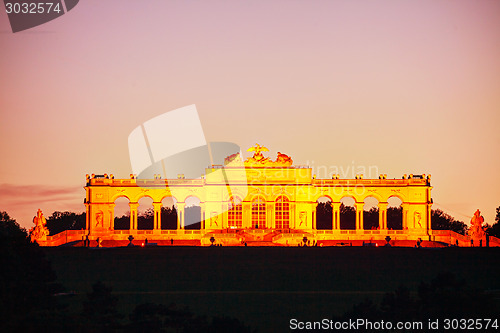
(272, 202)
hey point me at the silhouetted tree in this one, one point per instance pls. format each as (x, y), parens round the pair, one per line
(367, 309)
(324, 215)
(347, 217)
(442, 221)
(99, 309)
(27, 281)
(60, 221)
(193, 217)
(123, 222)
(399, 305)
(169, 218)
(150, 317)
(494, 230)
(443, 297)
(227, 325)
(147, 317)
(446, 296)
(145, 221)
(370, 218)
(395, 218)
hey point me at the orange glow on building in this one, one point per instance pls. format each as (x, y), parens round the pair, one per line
(261, 202)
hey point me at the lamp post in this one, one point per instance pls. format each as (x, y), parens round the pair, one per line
(388, 239)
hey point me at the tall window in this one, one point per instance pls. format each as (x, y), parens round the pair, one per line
(282, 216)
(235, 213)
(258, 213)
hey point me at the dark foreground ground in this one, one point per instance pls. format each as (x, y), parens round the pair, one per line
(266, 287)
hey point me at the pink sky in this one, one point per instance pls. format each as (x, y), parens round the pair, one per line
(406, 86)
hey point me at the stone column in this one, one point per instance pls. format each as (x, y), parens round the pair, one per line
(133, 215)
(429, 214)
(112, 216)
(270, 218)
(180, 215)
(157, 215)
(246, 214)
(314, 215)
(87, 216)
(224, 223)
(429, 205)
(382, 215)
(202, 215)
(406, 208)
(359, 215)
(335, 215)
(293, 216)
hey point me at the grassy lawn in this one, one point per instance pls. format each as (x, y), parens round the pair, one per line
(265, 287)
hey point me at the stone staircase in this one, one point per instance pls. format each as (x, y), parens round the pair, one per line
(261, 243)
(259, 237)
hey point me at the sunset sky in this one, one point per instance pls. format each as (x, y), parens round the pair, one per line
(403, 86)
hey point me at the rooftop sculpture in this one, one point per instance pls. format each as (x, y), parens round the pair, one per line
(259, 160)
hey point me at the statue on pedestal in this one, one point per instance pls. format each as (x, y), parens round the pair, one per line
(476, 230)
(40, 229)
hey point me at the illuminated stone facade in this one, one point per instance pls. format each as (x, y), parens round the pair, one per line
(259, 199)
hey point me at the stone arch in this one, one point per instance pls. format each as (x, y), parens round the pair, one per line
(120, 195)
(348, 196)
(277, 195)
(234, 193)
(392, 202)
(395, 213)
(121, 213)
(347, 213)
(236, 197)
(373, 195)
(145, 213)
(251, 197)
(371, 213)
(282, 212)
(398, 195)
(168, 195)
(192, 212)
(324, 213)
(280, 190)
(143, 195)
(168, 215)
(259, 212)
(188, 196)
(235, 212)
(323, 195)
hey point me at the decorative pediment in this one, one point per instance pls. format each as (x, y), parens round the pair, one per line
(259, 160)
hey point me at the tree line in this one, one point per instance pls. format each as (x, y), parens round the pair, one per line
(60, 221)
(439, 219)
(31, 300)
